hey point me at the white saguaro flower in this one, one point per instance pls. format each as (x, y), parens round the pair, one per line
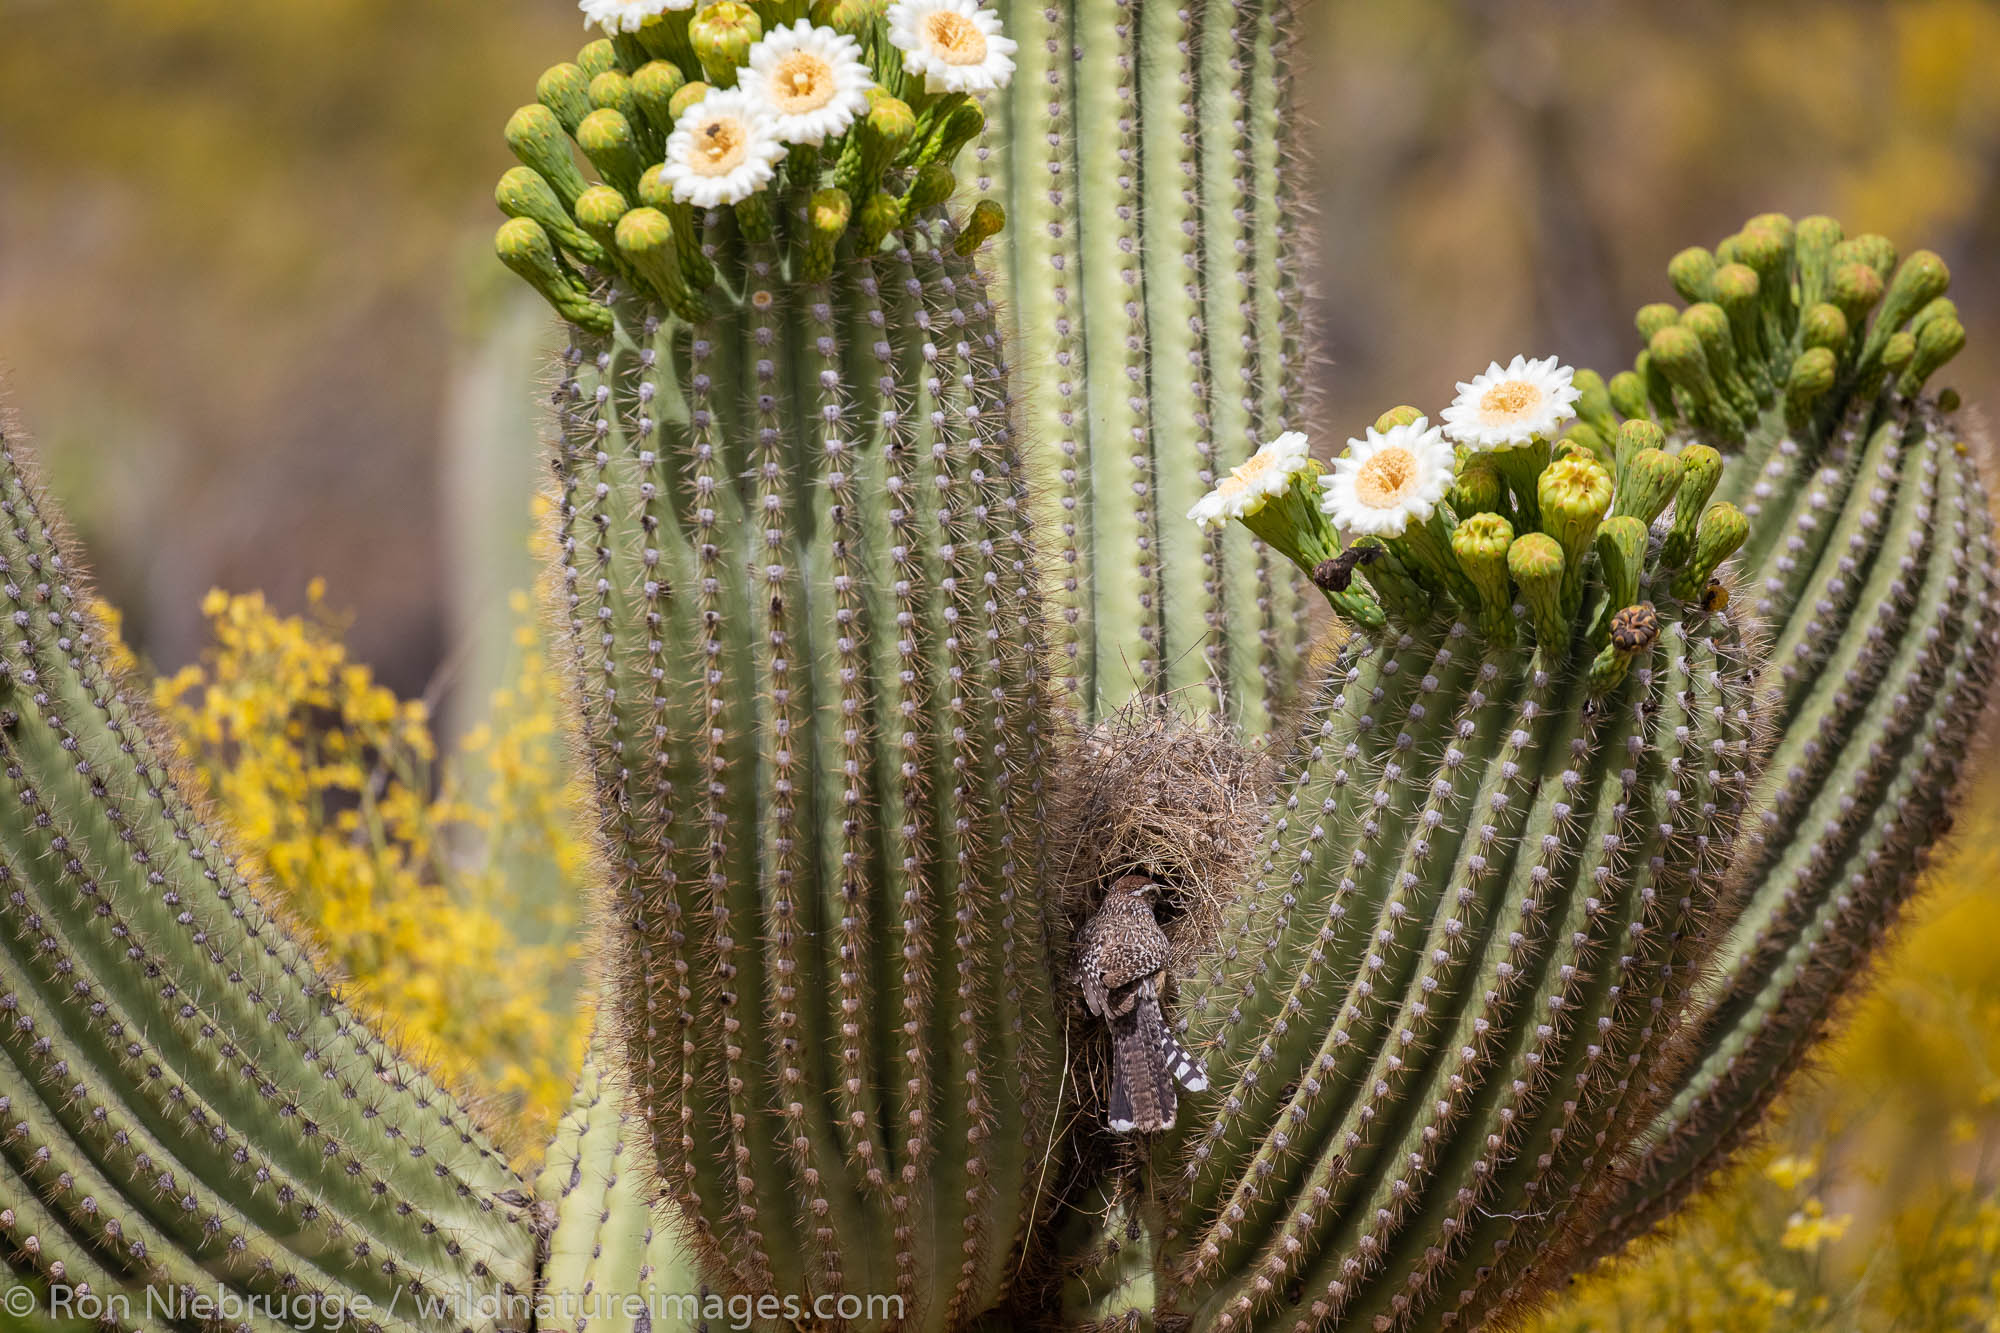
(954, 44)
(1255, 481)
(1509, 407)
(810, 80)
(626, 15)
(1389, 480)
(722, 150)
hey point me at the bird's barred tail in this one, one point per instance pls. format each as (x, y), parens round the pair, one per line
(1183, 1068)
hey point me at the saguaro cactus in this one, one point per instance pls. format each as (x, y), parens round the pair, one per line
(1489, 877)
(1153, 276)
(803, 615)
(188, 1108)
(1871, 557)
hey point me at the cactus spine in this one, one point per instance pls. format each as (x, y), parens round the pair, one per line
(1152, 281)
(805, 632)
(187, 1105)
(1872, 557)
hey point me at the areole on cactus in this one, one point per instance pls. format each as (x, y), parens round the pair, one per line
(845, 611)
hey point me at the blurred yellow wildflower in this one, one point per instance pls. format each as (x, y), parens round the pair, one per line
(447, 893)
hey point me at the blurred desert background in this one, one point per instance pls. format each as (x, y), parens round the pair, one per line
(248, 312)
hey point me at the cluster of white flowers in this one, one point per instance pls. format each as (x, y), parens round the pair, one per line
(1390, 479)
(805, 85)
(627, 15)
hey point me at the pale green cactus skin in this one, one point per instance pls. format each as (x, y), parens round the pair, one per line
(186, 1102)
(1481, 892)
(1152, 273)
(1873, 558)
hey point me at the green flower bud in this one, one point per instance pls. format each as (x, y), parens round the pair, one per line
(1701, 469)
(607, 140)
(1634, 436)
(875, 143)
(539, 141)
(966, 122)
(1654, 317)
(1536, 562)
(1938, 341)
(1678, 354)
(722, 35)
(1823, 326)
(1593, 403)
(1628, 394)
(882, 214)
(646, 238)
(1574, 494)
(1814, 241)
(1812, 376)
(565, 90)
(1871, 248)
(654, 87)
(1942, 308)
(689, 95)
(526, 249)
(1690, 271)
(1397, 416)
(1855, 289)
(1478, 487)
(523, 193)
(1648, 483)
(1722, 532)
(1621, 555)
(848, 16)
(827, 215)
(597, 57)
(1737, 289)
(986, 221)
(1766, 249)
(1582, 439)
(1633, 630)
(1899, 350)
(612, 91)
(598, 210)
(1718, 343)
(1480, 544)
(1920, 280)
(932, 185)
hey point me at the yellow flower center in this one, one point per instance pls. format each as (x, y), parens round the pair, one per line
(954, 38)
(1510, 400)
(802, 82)
(719, 147)
(1386, 479)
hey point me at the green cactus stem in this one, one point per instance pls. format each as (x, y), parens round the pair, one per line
(1152, 275)
(187, 1103)
(1491, 867)
(1870, 555)
(805, 632)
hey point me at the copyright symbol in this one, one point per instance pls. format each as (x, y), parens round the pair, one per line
(19, 1302)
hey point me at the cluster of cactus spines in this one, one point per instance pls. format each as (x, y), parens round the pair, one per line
(1152, 283)
(186, 1105)
(805, 631)
(1487, 881)
(1871, 556)
(611, 1263)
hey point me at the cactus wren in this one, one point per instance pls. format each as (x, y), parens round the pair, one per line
(1121, 964)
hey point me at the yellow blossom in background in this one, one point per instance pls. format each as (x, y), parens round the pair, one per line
(448, 894)
(1871, 1206)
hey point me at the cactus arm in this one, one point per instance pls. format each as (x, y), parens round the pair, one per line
(1870, 549)
(1157, 311)
(169, 1045)
(1109, 208)
(611, 1263)
(1169, 164)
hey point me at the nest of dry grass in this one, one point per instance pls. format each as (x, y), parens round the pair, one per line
(1151, 791)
